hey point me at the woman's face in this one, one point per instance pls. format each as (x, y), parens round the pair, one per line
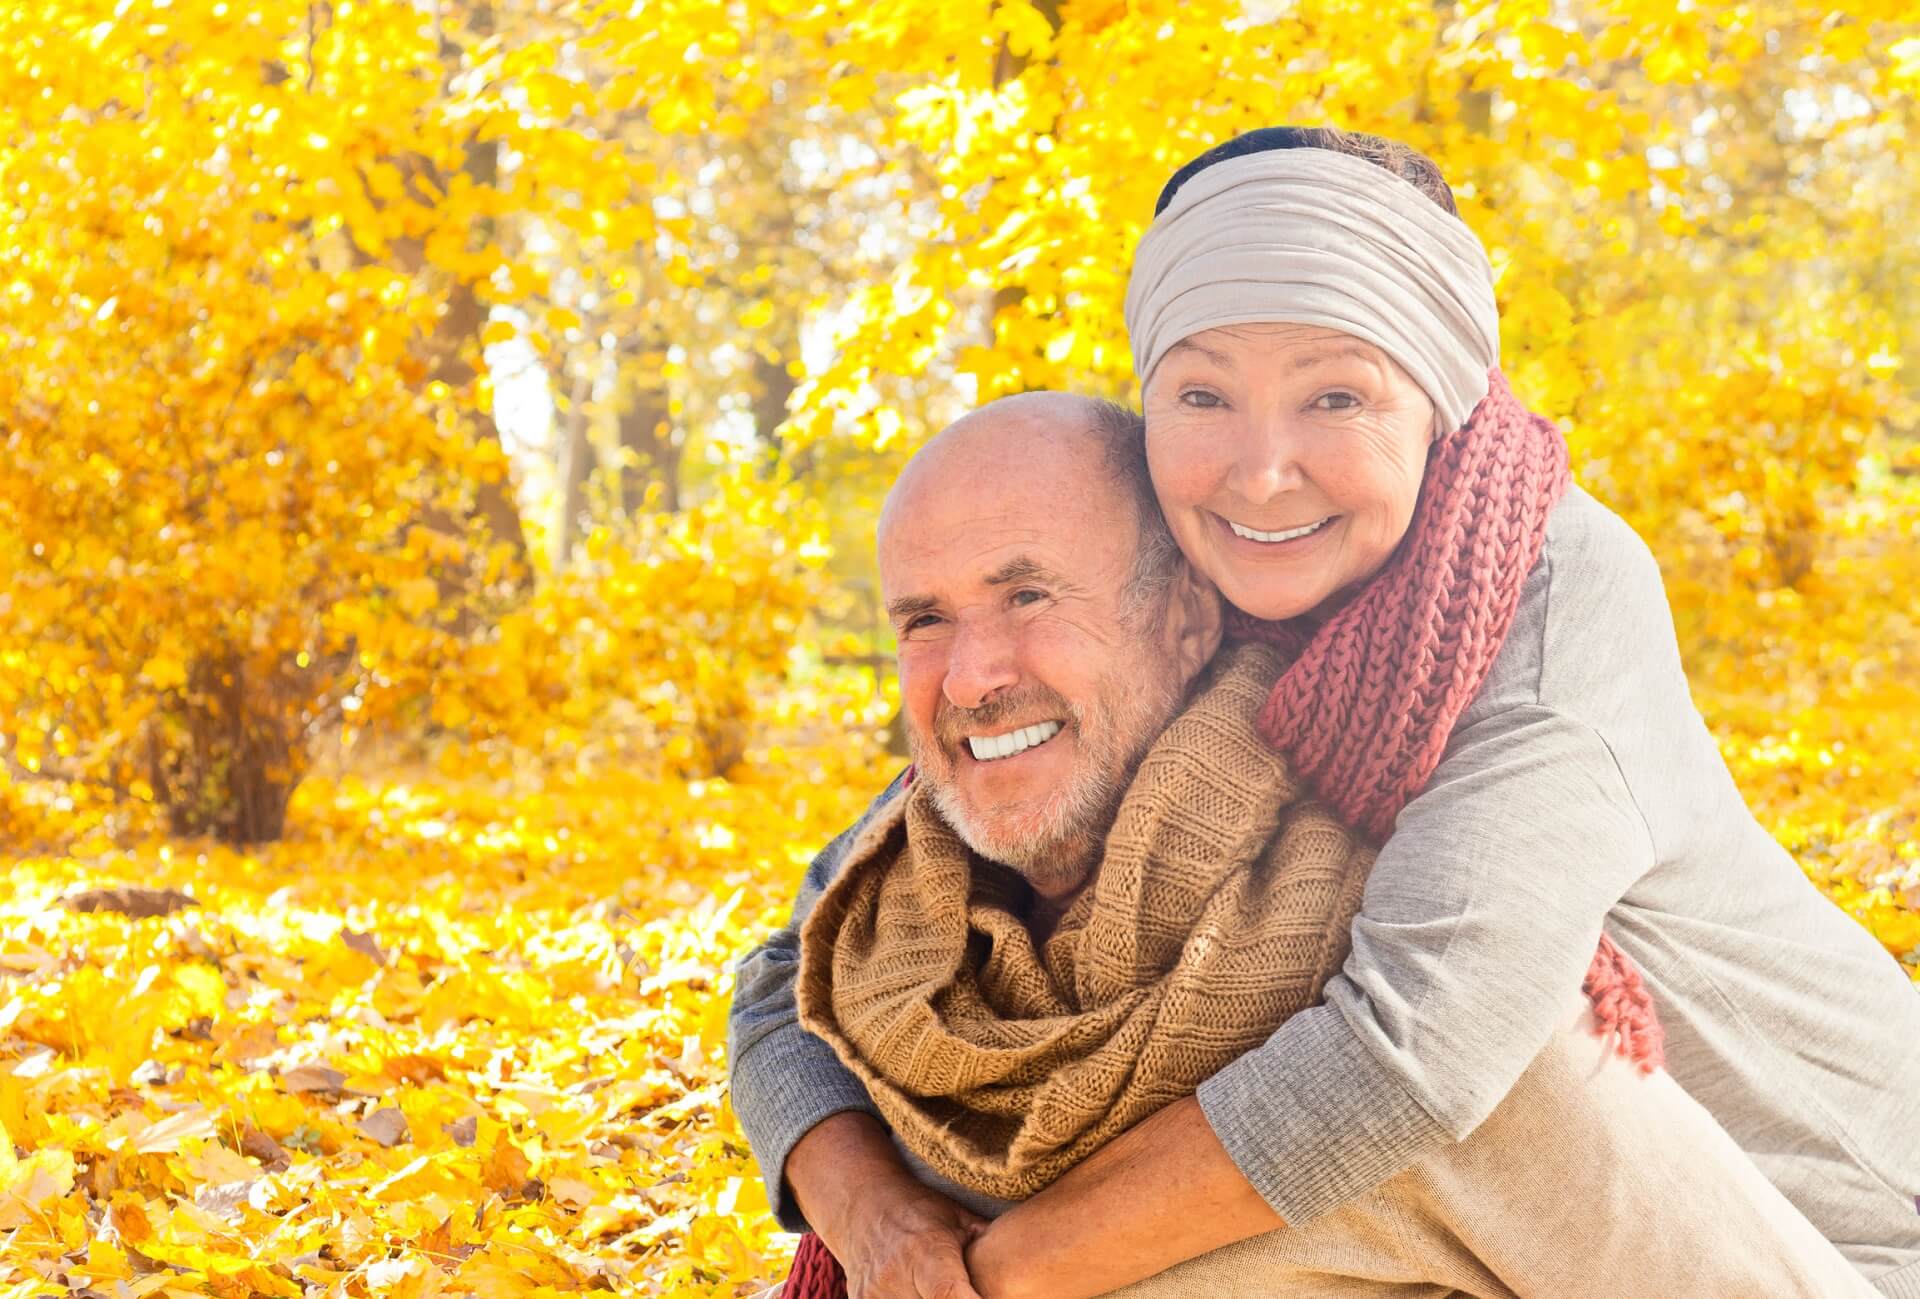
(1288, 459)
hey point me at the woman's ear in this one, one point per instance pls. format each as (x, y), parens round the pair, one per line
(1196, 620)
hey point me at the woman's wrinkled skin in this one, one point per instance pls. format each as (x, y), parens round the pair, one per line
(1276, 427)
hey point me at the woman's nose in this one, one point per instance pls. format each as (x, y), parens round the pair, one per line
(1265, 463)
(980, 664)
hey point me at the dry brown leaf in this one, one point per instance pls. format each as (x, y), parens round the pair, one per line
(574, 1192)
(272, 1156)
(462, 1131)
(314, 1079)
(129, 900)
(387, 1126)
(365, 944)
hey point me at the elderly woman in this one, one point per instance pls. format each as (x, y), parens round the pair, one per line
(1484, 679)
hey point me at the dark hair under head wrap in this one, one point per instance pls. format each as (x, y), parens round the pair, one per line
(1403, 161)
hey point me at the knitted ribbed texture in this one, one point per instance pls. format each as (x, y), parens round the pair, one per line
(815, 1274)
(1222, 903)
(1371, 695)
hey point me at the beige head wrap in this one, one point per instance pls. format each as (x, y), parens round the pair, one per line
(1313, 237)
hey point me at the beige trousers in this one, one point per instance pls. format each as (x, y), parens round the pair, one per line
(1589, 1180)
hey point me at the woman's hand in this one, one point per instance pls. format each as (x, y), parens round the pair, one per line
(894, 1238)
(911, 1245)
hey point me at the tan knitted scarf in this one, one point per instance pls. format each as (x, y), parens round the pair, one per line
(1220, 906)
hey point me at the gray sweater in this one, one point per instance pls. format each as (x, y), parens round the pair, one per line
(1580, 790)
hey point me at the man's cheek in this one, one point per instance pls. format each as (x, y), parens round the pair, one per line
(921, 675)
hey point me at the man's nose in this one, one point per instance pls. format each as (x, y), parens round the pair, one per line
(980, 664)
(1266, 462)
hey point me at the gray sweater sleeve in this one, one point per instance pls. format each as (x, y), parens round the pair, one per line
(782, 1078)
(1483, 908)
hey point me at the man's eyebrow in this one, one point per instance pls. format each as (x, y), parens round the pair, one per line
(1024, 568)
(909, 606)
(1021, 568)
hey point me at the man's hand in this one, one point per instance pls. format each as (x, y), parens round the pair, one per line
(895, 1238)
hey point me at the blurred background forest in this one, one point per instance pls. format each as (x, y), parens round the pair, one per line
(441, 446)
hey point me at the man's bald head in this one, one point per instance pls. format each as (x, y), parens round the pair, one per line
(1027, 433)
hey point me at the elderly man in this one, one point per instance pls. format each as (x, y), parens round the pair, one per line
(1048, 634)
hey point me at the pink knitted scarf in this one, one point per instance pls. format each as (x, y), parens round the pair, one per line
(1373, 693)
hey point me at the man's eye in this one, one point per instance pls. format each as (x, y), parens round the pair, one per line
(920, 622)
(1027, 597)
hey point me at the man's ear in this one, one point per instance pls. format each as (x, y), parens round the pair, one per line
(1195, 621)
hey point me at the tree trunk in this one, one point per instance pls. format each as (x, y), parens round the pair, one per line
(224, 761)
(460, 328)
(1006, 66)
(773, 388)
(646, 427)
(576, 466)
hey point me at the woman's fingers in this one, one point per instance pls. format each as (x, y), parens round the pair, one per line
(913, 1248)
(943, 1275)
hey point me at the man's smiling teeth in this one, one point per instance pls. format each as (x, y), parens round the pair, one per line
(988, 747)
(1252, 535)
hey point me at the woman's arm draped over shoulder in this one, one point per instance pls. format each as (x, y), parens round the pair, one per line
(1483, 908)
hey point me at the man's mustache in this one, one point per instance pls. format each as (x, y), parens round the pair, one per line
(952, 725)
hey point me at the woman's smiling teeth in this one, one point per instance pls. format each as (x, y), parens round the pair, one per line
(989, 747)
(1253, 535)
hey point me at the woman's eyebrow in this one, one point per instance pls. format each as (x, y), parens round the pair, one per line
(1220, 359)
(1312, 359)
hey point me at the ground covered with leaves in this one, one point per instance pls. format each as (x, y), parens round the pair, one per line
(465, 1035)
(451, 1036)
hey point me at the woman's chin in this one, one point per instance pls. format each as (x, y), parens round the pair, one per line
(1260, 600)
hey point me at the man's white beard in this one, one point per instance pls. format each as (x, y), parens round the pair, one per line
(1052, 851)
(1054, 848)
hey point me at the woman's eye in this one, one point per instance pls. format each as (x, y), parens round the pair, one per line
(1201, 398)
(1345, 400)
